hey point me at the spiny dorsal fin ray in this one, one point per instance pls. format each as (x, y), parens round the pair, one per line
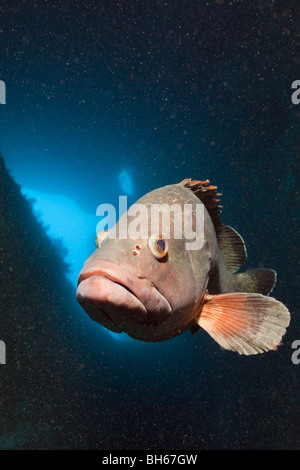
(208, 195)
(231, 244)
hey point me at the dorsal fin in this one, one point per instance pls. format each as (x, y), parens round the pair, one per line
(207, 194)
(231, 244)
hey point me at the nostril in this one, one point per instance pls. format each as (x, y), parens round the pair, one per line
(137, 250)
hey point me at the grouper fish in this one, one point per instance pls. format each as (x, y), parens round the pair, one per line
(154, 288)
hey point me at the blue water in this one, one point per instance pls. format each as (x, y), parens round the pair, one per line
(118, 98)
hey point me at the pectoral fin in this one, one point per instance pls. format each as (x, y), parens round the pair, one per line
(244, 323)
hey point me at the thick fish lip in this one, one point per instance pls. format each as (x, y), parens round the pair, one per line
(128, 291)
(109, 303)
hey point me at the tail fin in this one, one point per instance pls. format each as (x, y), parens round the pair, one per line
(244, 323)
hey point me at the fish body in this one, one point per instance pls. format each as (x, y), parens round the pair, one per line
(153, 287)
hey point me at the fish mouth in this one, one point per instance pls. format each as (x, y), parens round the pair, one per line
(119, 299)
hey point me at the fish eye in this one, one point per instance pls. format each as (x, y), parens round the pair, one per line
(158, 246)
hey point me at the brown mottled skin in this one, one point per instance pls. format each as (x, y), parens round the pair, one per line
(181, 278)
(124, 287)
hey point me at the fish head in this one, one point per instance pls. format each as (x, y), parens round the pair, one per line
(143, 284)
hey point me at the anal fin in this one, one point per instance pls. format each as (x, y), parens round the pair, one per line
(244, 323)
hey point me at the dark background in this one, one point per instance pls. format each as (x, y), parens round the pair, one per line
(163, 90)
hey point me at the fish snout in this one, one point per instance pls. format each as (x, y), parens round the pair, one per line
(119, 299)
